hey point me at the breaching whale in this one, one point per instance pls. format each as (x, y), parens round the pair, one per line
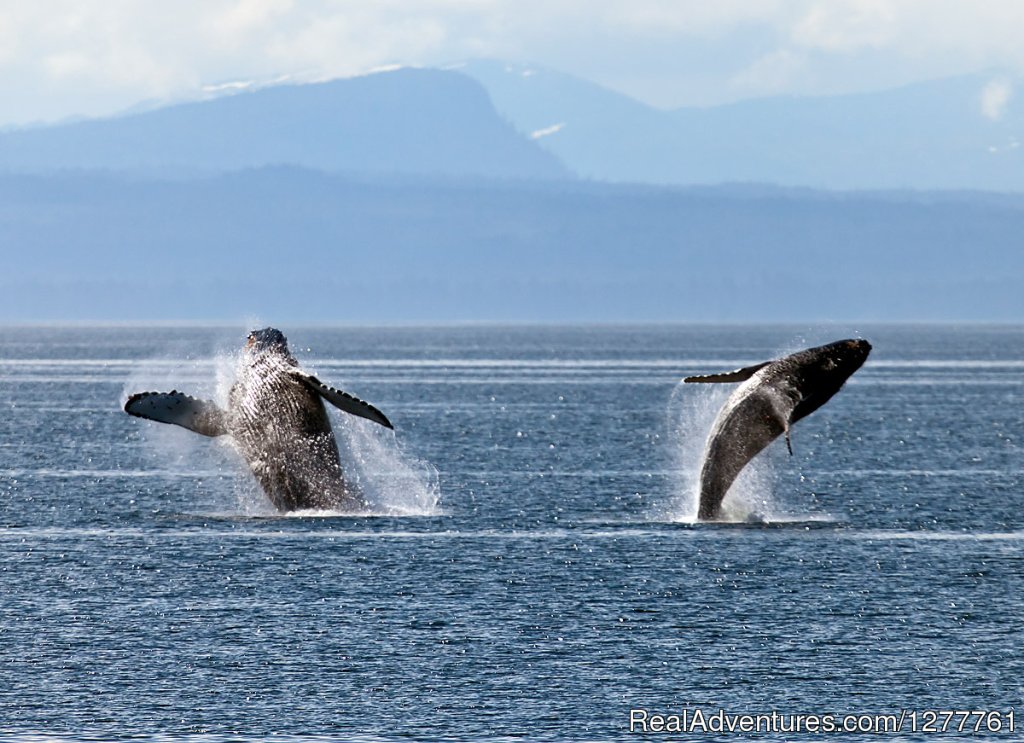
(774, 395)
(277, 419)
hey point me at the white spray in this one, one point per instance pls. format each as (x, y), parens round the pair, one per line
(393, 481)
(692, 411)
(171, 451)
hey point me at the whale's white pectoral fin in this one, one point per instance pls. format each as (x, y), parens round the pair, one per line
(740, 375)
(201, 416)
(344, 401)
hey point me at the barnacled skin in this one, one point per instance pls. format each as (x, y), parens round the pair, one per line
(282, 430)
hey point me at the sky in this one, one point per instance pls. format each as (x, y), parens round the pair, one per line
(63, 59)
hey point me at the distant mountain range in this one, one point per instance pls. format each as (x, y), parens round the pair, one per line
(409, 121)
(407, 196)
(956, 133)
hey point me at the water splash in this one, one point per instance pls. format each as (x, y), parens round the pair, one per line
(201, 373)
(393, 481)
(692, 410)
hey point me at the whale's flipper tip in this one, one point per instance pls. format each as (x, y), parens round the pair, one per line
(344, 401)
(201, 416)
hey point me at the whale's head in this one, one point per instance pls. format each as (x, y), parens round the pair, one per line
(851, 354)
(835, 361)
(267, 340)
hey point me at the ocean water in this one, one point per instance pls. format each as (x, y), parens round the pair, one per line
(531, 569)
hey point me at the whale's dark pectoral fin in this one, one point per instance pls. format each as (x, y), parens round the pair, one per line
(344, 401)
(201, 416)
(789, 444)
(740, 375)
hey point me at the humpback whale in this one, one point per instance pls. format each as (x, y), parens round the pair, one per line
(277, 419)
(774, 395)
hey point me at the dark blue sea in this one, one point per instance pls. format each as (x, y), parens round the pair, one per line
(530, 568)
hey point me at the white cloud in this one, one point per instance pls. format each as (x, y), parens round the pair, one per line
(693, 17)
(994, 97)
(772, 73)
(847, 26)
(67, 65)
(72, 57)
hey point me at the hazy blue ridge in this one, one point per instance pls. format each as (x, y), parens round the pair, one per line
(944, 134)
(402, 121)
(303, 246)
(932, 135)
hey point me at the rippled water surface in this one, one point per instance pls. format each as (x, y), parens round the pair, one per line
(531, 568)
